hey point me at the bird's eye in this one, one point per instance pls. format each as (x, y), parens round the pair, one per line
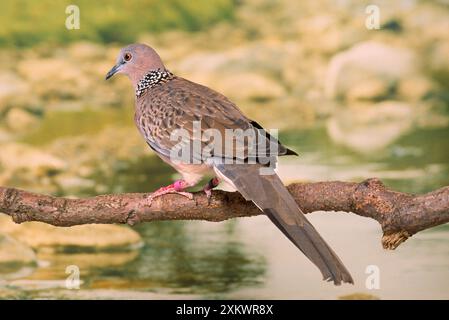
(127, 56)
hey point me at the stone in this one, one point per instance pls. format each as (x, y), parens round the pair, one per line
(226, 71)
(255, 57)
(371, 62)
(370, 127)
(55, 77)
(73, 184)
(414, 88)
(93, 237)
(16, 258)
(372, 88)
(5, 135)
(439, 56)
(249, 86)
(11, 88)
(19, 120)
(17, 157)
(319, 32)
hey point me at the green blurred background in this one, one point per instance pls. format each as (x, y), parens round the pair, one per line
(355, 103)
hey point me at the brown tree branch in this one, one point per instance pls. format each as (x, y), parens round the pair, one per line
(400, 215)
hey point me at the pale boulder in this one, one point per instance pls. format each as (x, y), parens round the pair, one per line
(16, 157)
(17, 260)
(95, 237)
(243, 73)
(439, 57)
(19, 120)
(54, 77)
(368, 127)
(249, 86)
(368, 70)
(12, 87)
(415, 88)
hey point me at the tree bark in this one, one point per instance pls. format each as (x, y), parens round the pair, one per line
(400, 215)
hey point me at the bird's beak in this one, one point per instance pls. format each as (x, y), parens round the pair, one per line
(114, 70)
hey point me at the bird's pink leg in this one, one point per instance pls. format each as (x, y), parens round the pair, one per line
(209, 186)
(177, 187)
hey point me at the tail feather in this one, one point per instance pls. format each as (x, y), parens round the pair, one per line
(313, 247)
(271, 196)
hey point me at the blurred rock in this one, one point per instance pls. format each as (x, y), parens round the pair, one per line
(244, 73)
(13, 251)
(370, 127)
(368, 70)
(72, 184)
(249, 86)
(19, 120)
(319, 33)
(12, 87)
(253, 57)
(85, 151)
(54, 77)
(16, 158)
(439, 58)
(9, 294)
(414, 88)
(90, 237)
(371, 88)
(5, 135)
(16, 259)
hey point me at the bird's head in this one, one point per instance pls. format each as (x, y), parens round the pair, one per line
(135, 61)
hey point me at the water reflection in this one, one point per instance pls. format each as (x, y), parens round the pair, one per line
(198, 258)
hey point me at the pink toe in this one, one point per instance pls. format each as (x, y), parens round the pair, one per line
(179, 185)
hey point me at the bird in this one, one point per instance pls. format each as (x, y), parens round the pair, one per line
(166, 103)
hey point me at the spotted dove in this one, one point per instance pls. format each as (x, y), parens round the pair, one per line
(166, 103)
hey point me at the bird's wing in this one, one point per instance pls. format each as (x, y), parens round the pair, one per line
(267, 191)
(186, 103)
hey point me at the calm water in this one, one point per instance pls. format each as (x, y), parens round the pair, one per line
(250, 258)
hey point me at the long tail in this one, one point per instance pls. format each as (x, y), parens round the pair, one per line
(269, 193)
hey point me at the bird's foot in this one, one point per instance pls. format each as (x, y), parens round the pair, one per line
(209, 186)
(177, 187)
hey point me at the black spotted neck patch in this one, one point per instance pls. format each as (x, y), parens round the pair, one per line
(152, 79)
